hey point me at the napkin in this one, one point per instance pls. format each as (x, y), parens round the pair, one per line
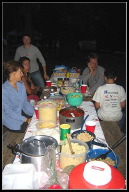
(18, 176)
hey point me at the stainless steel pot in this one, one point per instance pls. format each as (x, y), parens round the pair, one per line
(75, 122)
(34, 150)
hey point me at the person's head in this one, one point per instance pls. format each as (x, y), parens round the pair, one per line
(26, 38)
(25, 64)
(92, 60)
(110, 74)
(12, 70)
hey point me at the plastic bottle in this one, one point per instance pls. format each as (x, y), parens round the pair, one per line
(67, 75)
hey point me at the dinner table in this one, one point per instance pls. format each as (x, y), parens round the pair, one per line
(88, 108)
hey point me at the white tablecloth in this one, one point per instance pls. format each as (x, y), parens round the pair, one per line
(88, 108)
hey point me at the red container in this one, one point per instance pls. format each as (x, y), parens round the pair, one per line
(77, 181)
(37, 112)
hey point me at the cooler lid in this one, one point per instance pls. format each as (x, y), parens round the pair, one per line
(97, 173)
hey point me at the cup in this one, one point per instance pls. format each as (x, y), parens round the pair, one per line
(36, 112)
(83, 88)
(48, 83)
(90, 126)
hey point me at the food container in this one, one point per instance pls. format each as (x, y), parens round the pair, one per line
(45, 124)
(67, 89)
(65, 117)
(74, 99)
(85, 136)
(66, 158)
(47, 111)
(112, 158)
(78, 180)
(34, 150)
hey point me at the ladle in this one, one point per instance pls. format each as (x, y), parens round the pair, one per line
(70, 146)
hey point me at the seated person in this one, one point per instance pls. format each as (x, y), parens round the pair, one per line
(93, 74)
(16, 109)
(33, 92)
(110, 99)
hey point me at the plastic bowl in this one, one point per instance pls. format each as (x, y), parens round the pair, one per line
(74, 99)
(76, 133)
(93, 153)
(67, 89)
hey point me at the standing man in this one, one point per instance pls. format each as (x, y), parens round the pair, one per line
(93, 74)
(33, 53)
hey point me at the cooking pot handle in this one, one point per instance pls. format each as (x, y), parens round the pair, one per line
(15, 149)
(70, 120)
(38, 143)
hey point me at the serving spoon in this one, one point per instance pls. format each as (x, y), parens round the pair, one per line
(103, 156)
(70, 146)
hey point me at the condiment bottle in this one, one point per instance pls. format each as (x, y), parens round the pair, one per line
(67, 75)
(66, 81)
(60, 82)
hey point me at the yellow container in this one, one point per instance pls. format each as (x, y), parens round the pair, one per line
(64, 129)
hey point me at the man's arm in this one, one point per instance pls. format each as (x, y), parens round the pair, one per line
(97, 105)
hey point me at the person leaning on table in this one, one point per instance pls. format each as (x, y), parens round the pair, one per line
(16, 109)
(93, 74)
(33, 53)
(110, 99)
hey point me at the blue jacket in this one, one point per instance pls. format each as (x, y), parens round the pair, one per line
(13, 102)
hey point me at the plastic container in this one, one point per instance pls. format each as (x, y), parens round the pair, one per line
(59, 82)
(74, 99)
(66, 81)
(93, 153)
(77, 180)
(66, 159)
(47, 111)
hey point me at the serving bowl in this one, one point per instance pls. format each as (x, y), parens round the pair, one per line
(67, 89)
(74, 99)
(113, 158)
(85, 136)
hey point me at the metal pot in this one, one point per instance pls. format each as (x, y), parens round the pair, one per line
(34, 150)
(75, 122)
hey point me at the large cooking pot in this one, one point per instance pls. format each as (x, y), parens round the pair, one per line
(34, 150)
(75, 122)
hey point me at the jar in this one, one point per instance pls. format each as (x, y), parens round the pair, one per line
(66, 81)
(59, 82)
(47, 111)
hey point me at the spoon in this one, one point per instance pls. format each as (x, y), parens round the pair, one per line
(103, 156)
(72, 114)
(70, 146)
(83, 123)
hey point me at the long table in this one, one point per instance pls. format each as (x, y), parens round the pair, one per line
(88, 108)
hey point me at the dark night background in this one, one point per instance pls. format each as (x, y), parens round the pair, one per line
(103, 22)
(57, 29)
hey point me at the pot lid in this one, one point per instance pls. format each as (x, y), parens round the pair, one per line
(37, 145)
